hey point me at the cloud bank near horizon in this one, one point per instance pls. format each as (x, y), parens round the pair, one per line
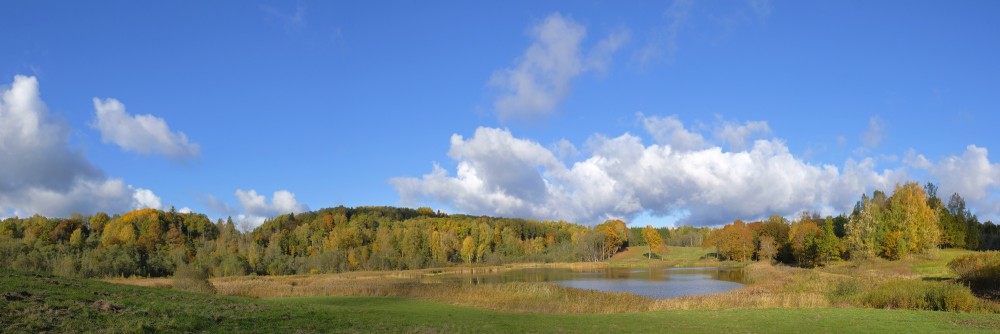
(681, 174)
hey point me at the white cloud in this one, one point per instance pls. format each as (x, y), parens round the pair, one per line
(874, 134)
(282, 202)
(247, 223)
(970, 175)
(41, 173)
(145, 198)
(541, 78)
(255, 208)
(670, 131)
(185, 210)
(565, 149)
(143, 134)
(499, 174)
(736, 136)
(600, 58)
(915, 160)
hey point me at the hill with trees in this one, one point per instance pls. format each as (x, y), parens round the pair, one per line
(150, 242)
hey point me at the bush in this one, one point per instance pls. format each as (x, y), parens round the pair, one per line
(921, 295)
(847, 289)
(978, 267)
(192, 278)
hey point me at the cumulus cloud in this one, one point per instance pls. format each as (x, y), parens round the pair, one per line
(499, 174)
(670, 131)
(736, 135)
(970, 175)
(41, 173)
(255, 207)
(282, 202)
(143, 134)
(542, 76)
(145, 198)
(564, 149)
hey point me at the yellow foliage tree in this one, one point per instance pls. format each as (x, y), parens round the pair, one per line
(654, 240)
(468, 249)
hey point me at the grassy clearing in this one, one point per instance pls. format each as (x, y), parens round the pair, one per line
(676, 257)
(41, 303)
(914, 283)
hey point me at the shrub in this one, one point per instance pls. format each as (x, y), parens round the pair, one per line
(192, 278)
(847, 290)
(982, 267)
(921, 295)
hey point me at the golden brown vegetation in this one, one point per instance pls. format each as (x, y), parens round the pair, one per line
(874, 283)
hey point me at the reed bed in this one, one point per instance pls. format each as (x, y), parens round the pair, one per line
(873, 283)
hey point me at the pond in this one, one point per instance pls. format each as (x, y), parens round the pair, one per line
(655, 283)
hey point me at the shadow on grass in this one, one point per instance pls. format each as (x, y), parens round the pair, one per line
(935, 279)
(651, 256)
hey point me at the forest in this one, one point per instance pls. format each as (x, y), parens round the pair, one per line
(912, 219)
(156, 243)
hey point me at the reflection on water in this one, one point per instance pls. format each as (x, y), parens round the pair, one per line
(652, 283)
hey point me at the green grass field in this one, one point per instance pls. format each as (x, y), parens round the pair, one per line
(42, 303)
(676, 257)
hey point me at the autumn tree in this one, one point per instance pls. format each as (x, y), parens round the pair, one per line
(803, 238)
(912, 225)
(767, 248)
(865, 230)
(655, 242)
(733, 241)
(468, 249)
(615, 234)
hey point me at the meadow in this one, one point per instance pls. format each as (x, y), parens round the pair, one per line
(913, 294)
(42, 303)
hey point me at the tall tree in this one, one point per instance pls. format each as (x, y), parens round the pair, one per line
(468, 249)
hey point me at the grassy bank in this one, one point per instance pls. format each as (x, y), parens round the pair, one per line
(675, 257)
(914, 283)
(36, 303)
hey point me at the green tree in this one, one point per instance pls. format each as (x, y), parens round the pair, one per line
(864, 230)
(828, 245)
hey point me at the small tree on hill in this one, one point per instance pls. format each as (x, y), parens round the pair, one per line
(654, 240)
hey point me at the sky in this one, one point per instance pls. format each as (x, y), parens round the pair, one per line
(663, 113)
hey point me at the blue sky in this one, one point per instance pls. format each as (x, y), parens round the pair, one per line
(703, 112)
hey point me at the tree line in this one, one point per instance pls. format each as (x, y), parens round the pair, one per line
(150, 242)
(911, 220)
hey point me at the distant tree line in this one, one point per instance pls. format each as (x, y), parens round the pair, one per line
(151, 242)
(912, 220)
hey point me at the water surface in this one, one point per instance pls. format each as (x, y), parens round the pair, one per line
(652, 283)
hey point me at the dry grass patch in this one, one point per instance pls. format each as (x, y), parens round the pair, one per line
(873, 283)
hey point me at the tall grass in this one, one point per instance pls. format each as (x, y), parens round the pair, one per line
(192, 278)
(873, 283)
(921, 295)
(981, 271)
